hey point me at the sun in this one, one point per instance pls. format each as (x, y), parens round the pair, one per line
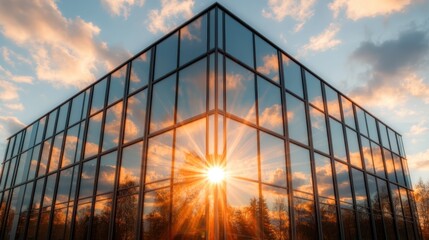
(215, 174)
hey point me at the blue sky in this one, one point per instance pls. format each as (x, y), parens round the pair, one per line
(377, 52)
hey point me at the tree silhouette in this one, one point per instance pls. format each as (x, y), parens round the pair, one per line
(422, 203)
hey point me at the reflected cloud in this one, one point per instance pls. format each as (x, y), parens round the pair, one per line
(271, 65)
(272, 116)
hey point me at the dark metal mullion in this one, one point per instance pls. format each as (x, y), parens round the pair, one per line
(208, 97)
(223, 234)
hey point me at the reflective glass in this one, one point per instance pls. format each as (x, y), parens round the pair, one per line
(140, 67)
(107, 173)
(361, 120)
(297, 121)
(82, 218)
(87, 179)
(24, 165)
(367, 156)
(126, 216)
(328, 215)
(17, 146)
(101, 219)
(56, 152)
(112, 126)
(401, 145)
(93, 135)
(220, 27)
(156, 214)
(193, 39)
(238, 41)
(77, 108)
(192, 89)
(372, 128)
(34, 161)
(378, 160)
(275, 213)
(379, 227)
(337, 136)
(348, 114)
(318, 130)
(396, 200)
(332, 102)
(73, 140)
(117, 84)
(51, 124)
(383, 135)
(353, 146)
(398, 169)
(373, 193)
(292, 76)
(136, 116)
(242, 155)
(11, 172)
(349, 223)
(64, 184)
(163, 101)
(314, 90)
(220, 81)
(49, 190)
(365, 225)
(98, 96)
(159, 158)
(301, 169)
(30, 136)
(343, 182)
(393, 142)
(267, 61)
(166, 56)
(390, 168)
(305, 219)
(325, 186)
(43, 164)
(212, 28)
(40, 130)
(212, 81)
(383, 194)
(273, 160)
(130, 166)
(38, 193)
(359, 188)
(270, 106)
(405, 202)
(240, 91)
(406, 173)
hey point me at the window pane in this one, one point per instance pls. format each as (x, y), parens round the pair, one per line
(49, 190)
(40, 131)
(383, 135)
(373, 193)
(24, 165)
(112, 126)
(270, 106)
(367, 157)
(390, 168)
(166, 56)
(193, 39)
(140, 67)
(297, 121)
(406, 173)
(240, 91)
(117, 84)
(359, 188)
(34, 161)
(87, 179)
(159, 158)
(239, 42)
(332, 102)
(343, 182)
(348, 114)
(384, 196)
(101, 219)
(66, 177)
(337, 136)
(30, 136)
(126, 217)
(98, 94)
(56, 152)
(396, 200)
(43, 164)
(398, 169)
(163, 99)
(378, 160)
(275, 213)
(393, 143)
(73, 139)
(305, 219)
(329, 220)
(314, 90)
(361, 120)
(292, 76)
(192, 90)
(372, 128)
(83, 214)
(156, 214)
(51, 124)
(136, 116)
(131, 165)
(354, 152)
(107, 173)
(242, 156)
(93, 135)
(325, 186)
(301, 169)
(318, 130)
(365, 225)
(77, 108)
(267, 61)
(349, 223)
(273, 160)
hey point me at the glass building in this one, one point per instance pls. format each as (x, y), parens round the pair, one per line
(212, 132)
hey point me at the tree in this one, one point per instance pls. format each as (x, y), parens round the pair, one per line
(422, 202)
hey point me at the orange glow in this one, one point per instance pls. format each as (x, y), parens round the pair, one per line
(215, 174)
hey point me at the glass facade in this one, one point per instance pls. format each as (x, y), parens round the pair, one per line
(130, 156)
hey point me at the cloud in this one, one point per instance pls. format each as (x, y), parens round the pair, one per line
(121, 7)
(356, 9)
(163, 20)
(300, 11)
(324, 41)
(419, 128)
(65, 51)
(10, 125)
(15, 106)
(5, 74)
(9, 56)
(419, 161)
(8, 91)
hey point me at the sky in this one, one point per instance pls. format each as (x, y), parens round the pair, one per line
(376, 52)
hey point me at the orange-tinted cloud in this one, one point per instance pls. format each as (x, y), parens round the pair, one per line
(162, 20)
(121, 7)
(357, 9)
(324, 41)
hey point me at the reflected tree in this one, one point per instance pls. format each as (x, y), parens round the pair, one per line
(422, 202)
(156, 222)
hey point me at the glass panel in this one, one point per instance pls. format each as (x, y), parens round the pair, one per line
(193, 39)
(93, 135)
(34, 162)
(267, 61)
(112, 126)
(56, 152)
(242, 155)
(220, 81)
(49, 190)
(337, 136)
(393, 142)
(76, 108)
(10, 147)
(212, 28)
(40, 130)
(17, 146)
(325, 186)
(405, 202)
(305, 219)
(87, 179)
(62, 117)
(117, 84)
(318, 130)
(396, 200)
(212, 81)
(301, 169)
(240, 91)
(348, 114)
(378, 160)
(270, 106)
(140, 68)
(243, 210)
(38, 193)
(107, 173)
(332, 102)
(398, 169)
(43, 165)
(64, 184)
(273, 160)
(82, 227)
(383, 135)
(389, 226)
(101, 219)
(126, 217)
(11, 172)
(156, 214)
(379, 227)
(359, 188)
(30, 136)
(72, 140)
(406, 172)
(192, 90)
(163, 99)
(329, 220)
(401, 145)
(220, 28)
(353, 145)
(292, 76)
(372, 128)
(365, 225)
(349, 223)
(390, 168)
(361, 120)
(275, 213)
(383, 194)
(24, 165)
(131, 165)
(239, 42)
(136, 116)
(314, 90)
(373, 193)
(343, 182)
(159, 158)
(297, 121)
(367, 157)
(98, 96)
(166, 56)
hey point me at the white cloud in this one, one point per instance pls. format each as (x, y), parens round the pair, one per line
(121, 7)
(163, 20)
(5, 74)
(15, 106)
(418, 161)
(65, 51)
(299, 10)
(9, 56)
(324, 41)
(8, 91)
(419, 128)
(10, 125)
(356, 9)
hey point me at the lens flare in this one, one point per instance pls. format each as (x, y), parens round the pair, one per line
(215, 174)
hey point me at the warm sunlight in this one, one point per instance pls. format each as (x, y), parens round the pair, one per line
(215, 174)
